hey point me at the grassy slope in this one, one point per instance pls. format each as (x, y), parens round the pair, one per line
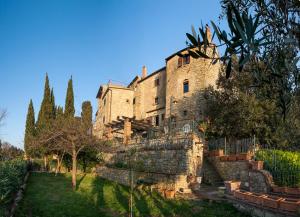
(50, 196)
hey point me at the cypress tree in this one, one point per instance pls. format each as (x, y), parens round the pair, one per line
(45, 113)
(53, 107)
(59, 112)
(69, 104)
(86, 113)
(30, 126)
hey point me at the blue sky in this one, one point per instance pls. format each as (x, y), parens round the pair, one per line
(92, 40)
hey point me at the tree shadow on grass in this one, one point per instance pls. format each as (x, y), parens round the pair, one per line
(79, 181)
(161, 204)
(50, 196)
(140, 203)
(122, 198)
(98, 190)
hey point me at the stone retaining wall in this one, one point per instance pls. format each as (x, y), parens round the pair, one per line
(253, 180)
(159, 181)
(166, 162)
(232, 170)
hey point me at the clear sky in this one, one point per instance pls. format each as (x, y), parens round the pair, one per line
(92, 40)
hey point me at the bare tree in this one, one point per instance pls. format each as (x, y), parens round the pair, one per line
(68, 135)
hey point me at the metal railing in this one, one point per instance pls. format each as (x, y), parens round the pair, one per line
(173, 128)
(233, 146)
(282, 163)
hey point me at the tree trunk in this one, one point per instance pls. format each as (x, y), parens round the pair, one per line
(59, 162)
(74, 168)
(45, 162)
(57, 166)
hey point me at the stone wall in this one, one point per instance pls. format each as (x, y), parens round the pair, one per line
(232, 170)
(145, 94)
(164, 161)
(172, 101)
(259, 181)
(199, 73)
(116, 101)
(159, 181)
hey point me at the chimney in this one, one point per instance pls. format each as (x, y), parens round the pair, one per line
(208, 33)
(144, 72)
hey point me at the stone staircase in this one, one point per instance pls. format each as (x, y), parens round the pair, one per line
(210, 175)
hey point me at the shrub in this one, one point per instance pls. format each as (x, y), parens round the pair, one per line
(12, 174)
(283, 165)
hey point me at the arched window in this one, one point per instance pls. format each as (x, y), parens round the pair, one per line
(186, 86)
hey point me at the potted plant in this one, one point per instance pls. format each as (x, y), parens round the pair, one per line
(231, 186)
(169, 194)
(202, 127)
(219, 152)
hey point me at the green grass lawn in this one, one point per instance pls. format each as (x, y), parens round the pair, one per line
(52, 196)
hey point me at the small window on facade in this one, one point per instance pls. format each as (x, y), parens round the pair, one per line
(156, 82)
(156, 100)
(156, 120)
(103, 119)
(185, 86)
(133, 102)
(186, 59)
(127, 100)
(185, 113)
(179, 62)
(104, 102)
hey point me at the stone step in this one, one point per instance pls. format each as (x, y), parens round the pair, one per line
(210, 174)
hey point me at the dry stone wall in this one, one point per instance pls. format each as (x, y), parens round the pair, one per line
(259, 181)
(165, 164)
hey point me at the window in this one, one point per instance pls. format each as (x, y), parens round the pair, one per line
(133, 101)
(156, 82)
(185, 86)
(156, 101)
(186, 59)
(156, 120)
(185, 112)
(104, 102)
(183, 60)
(103, 119)
(179, 62)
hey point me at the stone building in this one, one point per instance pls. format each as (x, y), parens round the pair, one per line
(170, 94)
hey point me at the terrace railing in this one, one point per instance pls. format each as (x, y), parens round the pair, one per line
(233, 146)
(282, 163)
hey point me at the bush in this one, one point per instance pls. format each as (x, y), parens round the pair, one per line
(12, 174)
(283, 165)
